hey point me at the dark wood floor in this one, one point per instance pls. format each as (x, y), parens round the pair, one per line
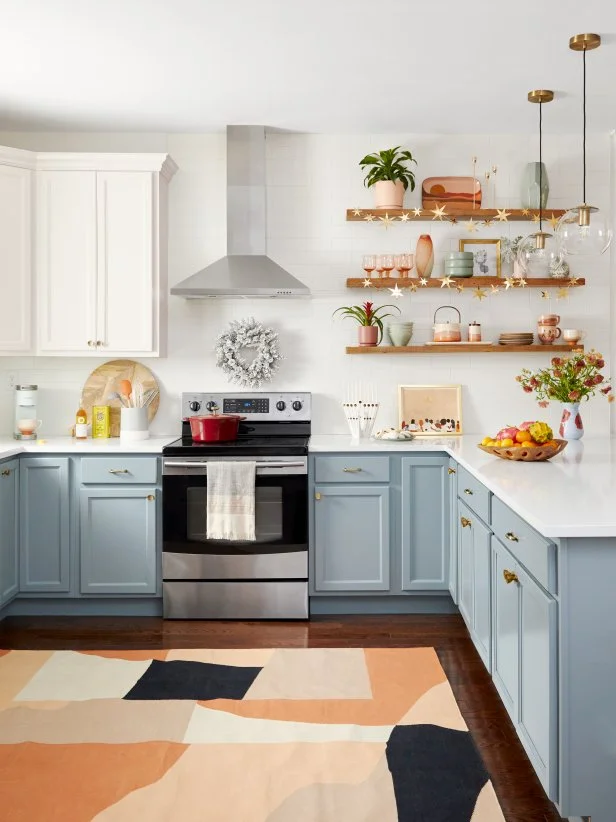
(517, 787)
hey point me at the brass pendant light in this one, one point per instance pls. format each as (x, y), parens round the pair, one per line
(539, 251)
(578, 231)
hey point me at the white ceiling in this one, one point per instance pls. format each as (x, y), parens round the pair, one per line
(303, 65)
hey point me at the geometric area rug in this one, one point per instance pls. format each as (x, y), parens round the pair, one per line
(255, 735)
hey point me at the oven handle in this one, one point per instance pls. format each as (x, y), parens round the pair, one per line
(203, 465)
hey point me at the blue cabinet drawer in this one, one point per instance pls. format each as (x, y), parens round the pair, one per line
(351, 468)
(120, 470)
(534, 552)
(474, 494)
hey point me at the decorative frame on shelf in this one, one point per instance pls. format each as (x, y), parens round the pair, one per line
(483, 267)
(430, 410)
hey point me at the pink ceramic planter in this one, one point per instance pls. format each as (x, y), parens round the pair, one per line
(388, 194)
(368, 334)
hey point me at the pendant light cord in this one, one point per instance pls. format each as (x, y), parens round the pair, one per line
(584, 130)
(540, 166)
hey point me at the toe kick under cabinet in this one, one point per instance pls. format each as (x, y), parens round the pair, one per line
(89, 527)
(380, 535)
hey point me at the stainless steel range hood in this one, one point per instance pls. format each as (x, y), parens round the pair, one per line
(246, 271)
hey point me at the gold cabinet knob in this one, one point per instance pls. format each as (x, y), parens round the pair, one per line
(451, 471)
(6, 472)
(317, 496)
(150, 497)
(468, 492)
(351, 470)
(510, 577)
(511, 536)
(119, 471)
(466, 523)
(90, 343)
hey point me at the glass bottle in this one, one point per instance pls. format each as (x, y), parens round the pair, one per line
(81, 422)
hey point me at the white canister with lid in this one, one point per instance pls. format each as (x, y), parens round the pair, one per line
(447, 332)
(474, 331)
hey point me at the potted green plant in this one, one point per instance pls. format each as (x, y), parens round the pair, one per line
(370, 320)
(387, 172)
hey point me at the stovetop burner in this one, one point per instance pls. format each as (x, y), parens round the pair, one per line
(275, 424)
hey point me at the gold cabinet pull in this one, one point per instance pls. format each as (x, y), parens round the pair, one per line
(119, 471)
(150, 497)
(90, 343)
(511, 536)
(317, 496)
(468, 492)
(510, 577)
(451, 471)
(466, 523)
(351, 470)
(6, 472)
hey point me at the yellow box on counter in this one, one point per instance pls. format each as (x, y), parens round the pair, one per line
(101, 423)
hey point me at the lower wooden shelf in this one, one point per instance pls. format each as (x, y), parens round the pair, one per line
(466, 282)
(455, 348)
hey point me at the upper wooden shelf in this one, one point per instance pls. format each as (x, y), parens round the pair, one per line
(466, 282)
(377, 215)
(456, 348)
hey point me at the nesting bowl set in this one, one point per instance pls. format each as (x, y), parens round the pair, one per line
(458, 264)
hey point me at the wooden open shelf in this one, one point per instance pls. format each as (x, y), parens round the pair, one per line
(467, 282)
(478, 214)
(455, 348)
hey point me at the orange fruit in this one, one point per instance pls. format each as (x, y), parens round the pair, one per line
(522, 436)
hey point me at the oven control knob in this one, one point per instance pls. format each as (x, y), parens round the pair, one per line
(297, 406)
(281, 405)
(194, 405)
(211, 406)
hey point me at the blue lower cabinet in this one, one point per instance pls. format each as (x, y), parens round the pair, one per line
(44, 525)
(425, 523)
(452, 474)
(474, 579)
(118, 540)
(351, 538)
(506, 628)
(9, 531)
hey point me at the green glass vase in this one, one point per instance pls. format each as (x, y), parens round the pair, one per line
(533, 194)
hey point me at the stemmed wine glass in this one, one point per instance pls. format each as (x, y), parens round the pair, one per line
(404, 263)
(387, 261)
(369, 264)
(380, 268)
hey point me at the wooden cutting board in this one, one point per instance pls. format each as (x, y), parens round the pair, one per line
(106, 378)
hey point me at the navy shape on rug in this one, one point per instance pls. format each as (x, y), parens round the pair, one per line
(179, 679)
(437, 773)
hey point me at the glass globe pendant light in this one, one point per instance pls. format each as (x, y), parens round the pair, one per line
(584, 229)
(540, 251)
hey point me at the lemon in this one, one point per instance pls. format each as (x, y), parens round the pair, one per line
(486, 440)
(507, 443)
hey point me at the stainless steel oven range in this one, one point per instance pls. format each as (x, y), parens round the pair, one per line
(221, 579)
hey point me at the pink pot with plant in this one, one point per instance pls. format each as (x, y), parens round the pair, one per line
(369, 319)
(387, 172)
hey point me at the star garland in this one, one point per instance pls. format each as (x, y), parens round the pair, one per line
(439, 212)
(502, 215)
(387, 220)
(471, 225)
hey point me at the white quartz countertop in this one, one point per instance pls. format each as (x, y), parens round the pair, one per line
(571, 495)
(67, 445)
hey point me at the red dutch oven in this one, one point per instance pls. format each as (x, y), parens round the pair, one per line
(215, 427)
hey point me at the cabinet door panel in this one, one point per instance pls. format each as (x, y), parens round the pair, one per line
(538, 692)
(126, 296)
(352, 538)
(465, 564)
(506, 629)
(425, 523)
(66, 260)
(454, 525)
(44, 521)
(15, 262)
(482, 606)
(9, 531)
(118, 541)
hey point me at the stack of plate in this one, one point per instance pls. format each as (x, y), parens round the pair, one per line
(516, 338)
(458, 264)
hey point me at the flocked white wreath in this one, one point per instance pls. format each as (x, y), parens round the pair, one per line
(248, 333)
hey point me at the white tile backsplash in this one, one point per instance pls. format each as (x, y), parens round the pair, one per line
(312, 180)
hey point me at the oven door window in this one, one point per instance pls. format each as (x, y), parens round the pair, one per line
(281, 516)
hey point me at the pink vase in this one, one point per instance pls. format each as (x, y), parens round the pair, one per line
(368, 334)
(424, 256)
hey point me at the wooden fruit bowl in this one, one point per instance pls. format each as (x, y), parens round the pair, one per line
(537, 453)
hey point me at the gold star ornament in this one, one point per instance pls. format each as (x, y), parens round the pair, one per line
(369, 218)
(423, 282)
(446, 282)
(494, 289)
(562, 294)
(480, 294)
(439, 212)
(459, 288)
(412, 285)
(535, 218)
(522, 282)
(417, 212)
(545, 295)
(395, 292)
(509, 283)
(357, 212)
(367, 283)
(488, 223)
(502, 215)
(525, 212)
(573, 281)
(471, 225)
(553, 221)
(404, 217)
(387, 220)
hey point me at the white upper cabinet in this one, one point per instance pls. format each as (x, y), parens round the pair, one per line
(15, 251)
(101, 254)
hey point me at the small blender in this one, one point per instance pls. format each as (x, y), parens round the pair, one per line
(26, 422)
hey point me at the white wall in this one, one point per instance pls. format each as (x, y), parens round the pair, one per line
(312, 180)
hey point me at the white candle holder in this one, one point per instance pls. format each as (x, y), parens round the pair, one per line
(360, 417)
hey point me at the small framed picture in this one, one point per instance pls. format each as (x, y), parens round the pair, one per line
(430, 410)
(486, 256)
